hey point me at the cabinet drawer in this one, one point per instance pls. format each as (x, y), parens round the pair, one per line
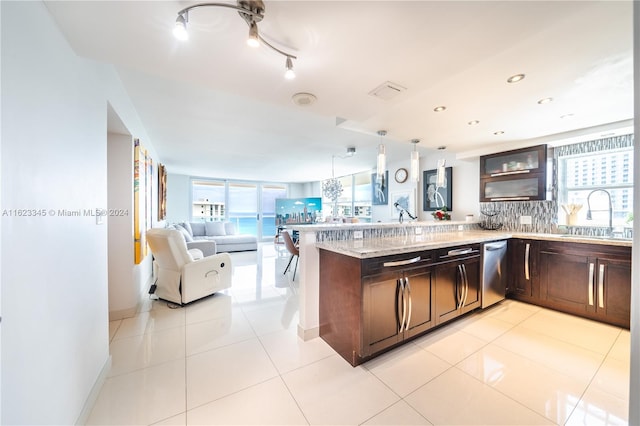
(458, 252)
(397, 262)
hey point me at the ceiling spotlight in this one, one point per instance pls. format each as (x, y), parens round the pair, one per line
(289, 74)
(566, 116)
(515, 78)
(253, 40)
(442, 148)
(545, 101)
(351, 151)
(498, 133)
(473, 123)
(440, 108)
(180, 29)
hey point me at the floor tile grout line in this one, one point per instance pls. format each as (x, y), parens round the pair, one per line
(586, 388)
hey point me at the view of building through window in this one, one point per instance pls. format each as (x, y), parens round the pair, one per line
(588, 180)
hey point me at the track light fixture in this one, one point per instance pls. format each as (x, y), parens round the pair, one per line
(254, 37)
(252, 11)
(289, 74)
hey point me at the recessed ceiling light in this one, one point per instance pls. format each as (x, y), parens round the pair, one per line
(441, 148)
(515, 78)
(440, 108)
(473, 122)
(545, 101)
(498, 133)
(567, 115)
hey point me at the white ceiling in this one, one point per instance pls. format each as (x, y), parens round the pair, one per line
(213, 106)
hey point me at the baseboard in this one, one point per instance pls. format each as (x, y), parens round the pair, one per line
(123, 313)
(93, 395)
(308, 334)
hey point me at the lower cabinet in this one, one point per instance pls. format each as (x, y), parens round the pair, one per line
(396, 306)
(457, 287)
(589, 280)
(370, 305)
(523, 269)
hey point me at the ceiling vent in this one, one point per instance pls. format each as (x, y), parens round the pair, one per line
(387, 91)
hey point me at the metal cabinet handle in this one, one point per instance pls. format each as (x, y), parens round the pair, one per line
(404, 304)
(601, 287)
(591, 266)
(399, 314)
(527, 252)
(459, 288)
(515, 172)
(466, 285)
(402, 262)
(408, 289)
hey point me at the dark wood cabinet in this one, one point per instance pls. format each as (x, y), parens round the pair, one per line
(517, 175)
(589, 280)
(396, 308)
(522, 283)
(370, 305)
(457, 286)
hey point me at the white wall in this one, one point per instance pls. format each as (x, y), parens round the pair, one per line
(54, 279)
(55, 330)
(465, 190)
(178, 198)
(123, 291)
(634, 391)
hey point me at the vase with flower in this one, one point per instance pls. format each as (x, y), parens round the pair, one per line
(441, 214)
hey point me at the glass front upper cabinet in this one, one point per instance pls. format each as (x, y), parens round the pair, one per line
(518, 161)
(517, 175)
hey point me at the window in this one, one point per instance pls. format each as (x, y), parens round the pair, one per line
(591, 186)
(355, 200)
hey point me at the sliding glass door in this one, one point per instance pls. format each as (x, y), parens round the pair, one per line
(250, 206)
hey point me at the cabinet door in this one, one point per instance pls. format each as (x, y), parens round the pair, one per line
(420, 290)
(613, 291)
(382, 307)
(472, 293)
(448, 291)
(523, 268)
(567, 282)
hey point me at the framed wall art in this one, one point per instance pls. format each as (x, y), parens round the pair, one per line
(436, 197)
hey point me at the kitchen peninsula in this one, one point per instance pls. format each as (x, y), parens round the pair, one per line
(371, 241)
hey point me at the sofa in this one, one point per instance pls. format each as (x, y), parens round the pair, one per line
(224, 234)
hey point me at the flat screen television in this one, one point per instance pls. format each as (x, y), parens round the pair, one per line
(291, 211)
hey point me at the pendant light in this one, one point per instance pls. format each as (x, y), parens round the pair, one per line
(415, 161)
(382, 157)
(440, 173)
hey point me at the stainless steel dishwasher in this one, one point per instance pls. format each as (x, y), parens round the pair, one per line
(494, 268)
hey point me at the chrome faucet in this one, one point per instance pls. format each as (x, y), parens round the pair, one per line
(610, 231)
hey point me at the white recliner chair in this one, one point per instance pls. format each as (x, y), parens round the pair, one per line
(184, 275)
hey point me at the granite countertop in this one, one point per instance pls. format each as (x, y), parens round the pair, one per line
(377, 247)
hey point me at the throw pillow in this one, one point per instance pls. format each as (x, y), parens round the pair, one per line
(187, 226)
(198, 229)
(215, 229)
(187, 236)
(230, 228)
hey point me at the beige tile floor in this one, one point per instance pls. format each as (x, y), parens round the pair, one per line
(234, 358)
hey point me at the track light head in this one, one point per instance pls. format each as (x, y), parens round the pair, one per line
(289, 73)
(254, 39)
(180, 29)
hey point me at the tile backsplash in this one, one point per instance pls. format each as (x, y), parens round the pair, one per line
(508, 215)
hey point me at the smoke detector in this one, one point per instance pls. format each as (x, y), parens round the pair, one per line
(303, 99)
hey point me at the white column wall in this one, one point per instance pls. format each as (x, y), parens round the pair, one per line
(55, 347)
